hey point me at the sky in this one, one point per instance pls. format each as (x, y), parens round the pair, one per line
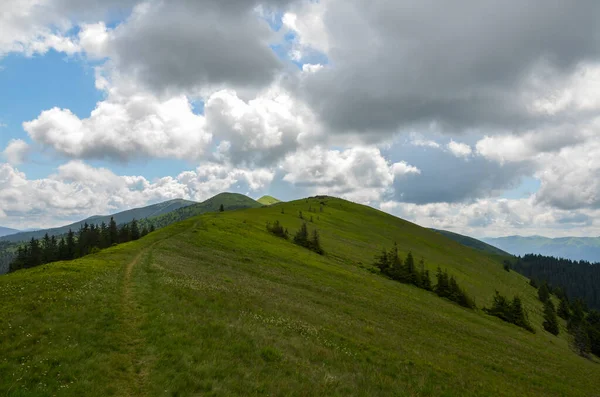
(482, 118)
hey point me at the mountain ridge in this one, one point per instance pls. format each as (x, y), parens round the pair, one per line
(573, 248)
(216, 302)
(5, 231)
(119, 217)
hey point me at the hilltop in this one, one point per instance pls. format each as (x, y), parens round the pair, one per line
(120, 217)
(229, 201)
(268, 200)
(217, 305)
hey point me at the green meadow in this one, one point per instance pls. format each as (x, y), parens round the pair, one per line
(215, 305)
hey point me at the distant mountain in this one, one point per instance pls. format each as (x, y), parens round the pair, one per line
(472, 243)
(5, 231)
(121, 217)
(230, 201)
(574, 248)
(268, 200)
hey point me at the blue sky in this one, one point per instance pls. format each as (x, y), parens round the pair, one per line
(105, 109)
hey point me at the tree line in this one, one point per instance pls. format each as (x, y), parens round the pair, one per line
(579, 279)
(582, 323)
(90, 238)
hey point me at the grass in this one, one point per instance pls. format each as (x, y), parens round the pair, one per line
(215, 305)
(268, 200)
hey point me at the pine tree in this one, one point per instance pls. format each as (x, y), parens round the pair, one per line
(550, 320)
(221, 208)
(47, 254)
(124, 233)
(409, 265)
(581, 340)
(426, 281)
(301, 237)
(62, 249)
(104, 238)
(113, 232)
(441, 287)
(34, 253)
(315, 242)
(71, 248)
(563, 309)
(383, 262)
(134, 230)
(517, 314)
(544, 292)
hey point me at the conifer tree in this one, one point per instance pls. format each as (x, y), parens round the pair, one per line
(71, 248)
(34, 253)
(113, 232)
(383, 262)
(544, 292)
(581, 340)
(152, 228)
(563, 309)
(409, 265)
(221, 208)
(301, 237)
(441, 287)
(62, 249)
(134, 230)
(550, 320)
(315, 242)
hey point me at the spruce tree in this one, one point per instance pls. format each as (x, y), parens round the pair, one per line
(550, 320)
(383, 262)
(71, 248)
(441, 286)
(62, 249)
(563, 309)
(409, 265)
(315, 243)
(544, 292)
(301, 237)
(113, 232)
(581, 340)
(134, 230)
(221, 208)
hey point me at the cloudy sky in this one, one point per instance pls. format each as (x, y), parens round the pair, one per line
(478, 117)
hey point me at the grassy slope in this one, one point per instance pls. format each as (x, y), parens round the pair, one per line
(230, 201)
(473, 243)
(121, 217)
(215, 305)
(268, 200)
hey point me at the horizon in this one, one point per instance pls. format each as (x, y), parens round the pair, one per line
(482, 130)
(41, 228)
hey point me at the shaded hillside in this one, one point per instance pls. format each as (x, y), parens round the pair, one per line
(5, 231)
(472, 243)
(216, 305)
(120, 218)
(574, 248)
(229, 201)
(268, 200)
(579, 279)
